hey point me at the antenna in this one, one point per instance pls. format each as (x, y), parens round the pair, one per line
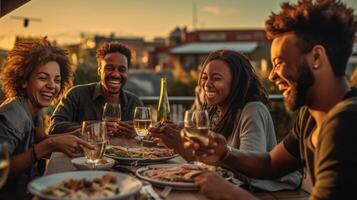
(26, 20)
(194, 15)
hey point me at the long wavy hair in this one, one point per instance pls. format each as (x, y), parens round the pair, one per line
(245, 87)
(28, 54)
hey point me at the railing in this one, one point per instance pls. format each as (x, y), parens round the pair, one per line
(178, 104)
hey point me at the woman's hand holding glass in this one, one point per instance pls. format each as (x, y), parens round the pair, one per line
(69, 144)
(169, 133)
(209, 153)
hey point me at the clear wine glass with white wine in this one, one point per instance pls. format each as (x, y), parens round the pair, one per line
(4, 163)
(94, 132)
(142, 122)
(196, 123)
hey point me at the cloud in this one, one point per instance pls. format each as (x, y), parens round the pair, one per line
(218, 10)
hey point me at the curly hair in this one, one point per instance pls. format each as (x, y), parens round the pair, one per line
(111, 47)
(245, 87)
(322, 22)
(28, 54)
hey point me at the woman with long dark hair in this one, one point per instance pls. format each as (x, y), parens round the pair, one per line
(237, 104)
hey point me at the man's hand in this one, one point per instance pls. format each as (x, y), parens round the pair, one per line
(125, 128)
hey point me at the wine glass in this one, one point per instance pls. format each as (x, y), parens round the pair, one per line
(196, 123)
(111, 112)
(4, 163)
(95, 133)
(142, 122)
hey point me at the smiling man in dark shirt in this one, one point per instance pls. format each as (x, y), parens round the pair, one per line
(86, 102)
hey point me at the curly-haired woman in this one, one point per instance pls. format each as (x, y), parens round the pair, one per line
(34, 75)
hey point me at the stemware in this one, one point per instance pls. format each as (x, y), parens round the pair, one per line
(95, 133)
(142, 121)
(111, 112)
(196, 124)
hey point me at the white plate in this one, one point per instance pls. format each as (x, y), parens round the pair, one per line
(128, 185)
(175, 185)
(139, 161)
(80, 163)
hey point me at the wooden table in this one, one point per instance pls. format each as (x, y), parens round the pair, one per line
(59, 162)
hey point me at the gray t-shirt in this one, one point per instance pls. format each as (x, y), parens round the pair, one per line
(17, 129)
(254, 131)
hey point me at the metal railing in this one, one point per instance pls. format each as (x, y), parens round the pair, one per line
(178, 104)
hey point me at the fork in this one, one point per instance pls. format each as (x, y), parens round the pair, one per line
(165, 192)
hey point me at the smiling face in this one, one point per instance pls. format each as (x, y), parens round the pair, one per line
(216, 82)
(291, 72)
(43, 85)
(113, 72)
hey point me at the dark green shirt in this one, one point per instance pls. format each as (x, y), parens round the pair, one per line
(332, 165)
(17, 129)
(86, 102)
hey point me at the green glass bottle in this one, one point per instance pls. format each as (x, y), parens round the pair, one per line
(163, 109)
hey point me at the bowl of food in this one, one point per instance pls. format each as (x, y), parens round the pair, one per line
(89, 185)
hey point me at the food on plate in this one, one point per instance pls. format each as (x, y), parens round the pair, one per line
(181, 173)
(139, 152)
(103, 187)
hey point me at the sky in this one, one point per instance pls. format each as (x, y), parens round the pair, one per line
(64, 20)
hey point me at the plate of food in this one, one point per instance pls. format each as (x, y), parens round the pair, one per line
(81, 163)
(89, 185)
(178, 176)
(141, 155)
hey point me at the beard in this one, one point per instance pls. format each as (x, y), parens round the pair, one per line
(299, 88)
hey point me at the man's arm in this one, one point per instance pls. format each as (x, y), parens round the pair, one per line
(62, 119)
(275, 164)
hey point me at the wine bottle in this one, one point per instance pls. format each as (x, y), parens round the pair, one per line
(163, 110)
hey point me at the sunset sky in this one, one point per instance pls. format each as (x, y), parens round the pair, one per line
(63, 20)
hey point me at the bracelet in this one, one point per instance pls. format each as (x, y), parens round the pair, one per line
(226, 154)
(34, 155)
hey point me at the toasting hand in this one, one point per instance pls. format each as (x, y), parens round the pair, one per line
(210, 153)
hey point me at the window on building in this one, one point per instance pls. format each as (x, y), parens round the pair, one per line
(212, 36)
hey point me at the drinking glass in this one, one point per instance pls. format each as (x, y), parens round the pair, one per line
(196, 123)
(4, 163)
(94, 132)
(111, 112)
(142, 122)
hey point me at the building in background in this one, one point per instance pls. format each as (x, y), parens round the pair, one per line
(198, 44)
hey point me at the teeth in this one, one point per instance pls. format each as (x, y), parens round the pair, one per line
(210, 94)
(47, 94)
(114, 82)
